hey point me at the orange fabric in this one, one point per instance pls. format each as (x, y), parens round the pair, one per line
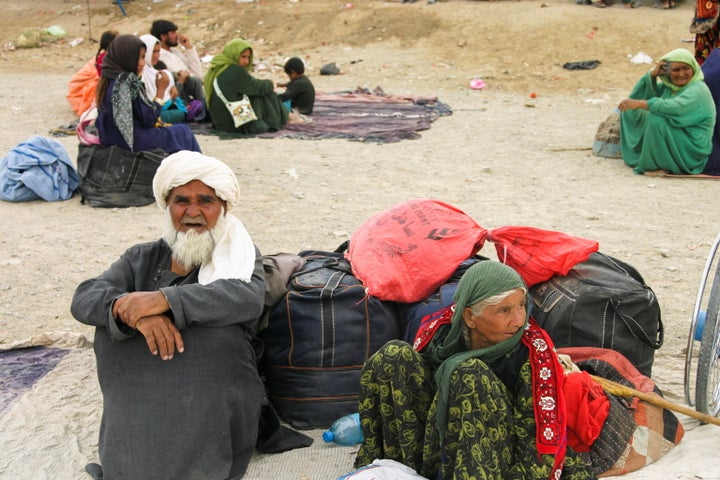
(587, 409)
(82, 88)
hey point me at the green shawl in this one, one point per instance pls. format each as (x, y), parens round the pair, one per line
(684, 56)
(229, 56)
(482, 280)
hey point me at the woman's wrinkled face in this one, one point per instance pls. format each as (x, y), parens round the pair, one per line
(496, 323)
(680, 73)
(141, 61)
(244, 59)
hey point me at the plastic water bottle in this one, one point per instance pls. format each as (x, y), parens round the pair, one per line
(345, 431)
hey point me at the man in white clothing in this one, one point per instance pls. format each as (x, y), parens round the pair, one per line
(181, 59)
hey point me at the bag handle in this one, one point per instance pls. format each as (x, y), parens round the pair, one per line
(636, 329)
(219, 92)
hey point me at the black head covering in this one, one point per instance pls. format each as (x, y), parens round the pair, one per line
(122, 56)
(121, 64)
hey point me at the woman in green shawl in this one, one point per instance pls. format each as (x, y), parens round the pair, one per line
(668, 124)
(232, 69)
(483, 399)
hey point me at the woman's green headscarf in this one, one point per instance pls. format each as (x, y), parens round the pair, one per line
(684, 56)
(483, 280)
(229, 56)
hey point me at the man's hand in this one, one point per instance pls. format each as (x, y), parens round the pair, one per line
(184, 40)
(130, 308)
(161, 335)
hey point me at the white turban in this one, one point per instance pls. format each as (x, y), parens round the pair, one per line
(185, 166)
(234, 253)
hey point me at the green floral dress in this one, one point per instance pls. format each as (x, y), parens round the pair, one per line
(490, 429)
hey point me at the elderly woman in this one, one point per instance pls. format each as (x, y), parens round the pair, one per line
(482, 395)
(126, 117)
(231, 68)
(667, 123)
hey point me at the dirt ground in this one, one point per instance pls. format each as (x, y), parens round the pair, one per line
(503, 157)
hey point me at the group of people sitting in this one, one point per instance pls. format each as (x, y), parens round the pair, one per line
(669, 122)
(177, 362)
(146, 89)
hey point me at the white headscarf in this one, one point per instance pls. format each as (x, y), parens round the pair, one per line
(150, 73)
(234, 254)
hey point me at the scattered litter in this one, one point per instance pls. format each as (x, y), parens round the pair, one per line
(75, 41)
(9, 47)
(477, 84)
(329, 69)
(292, 172)
(56, 31)
(584, 65)
(641, 57)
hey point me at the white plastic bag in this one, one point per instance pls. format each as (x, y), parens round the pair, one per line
(383, 469)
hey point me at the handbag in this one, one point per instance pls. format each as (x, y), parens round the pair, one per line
(319, 336)
(241, 110)
(601, 302)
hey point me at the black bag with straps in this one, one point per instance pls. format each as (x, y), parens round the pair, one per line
(319, 336)
(113, 177)
(601, 302)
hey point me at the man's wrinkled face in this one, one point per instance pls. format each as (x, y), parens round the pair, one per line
(194, 206)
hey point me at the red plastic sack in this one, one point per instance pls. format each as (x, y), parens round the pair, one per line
(405, 253)
(539, 254)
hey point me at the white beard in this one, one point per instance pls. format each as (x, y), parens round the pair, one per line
(192, 249)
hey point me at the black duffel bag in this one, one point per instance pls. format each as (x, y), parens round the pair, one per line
(601, 302)
(114, 177)
(317, 339)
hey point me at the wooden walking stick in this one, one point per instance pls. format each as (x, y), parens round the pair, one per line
(623, 391)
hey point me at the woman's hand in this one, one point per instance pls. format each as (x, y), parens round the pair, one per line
(174, 92)
(161, 83)
(632, 104)
(659, 68)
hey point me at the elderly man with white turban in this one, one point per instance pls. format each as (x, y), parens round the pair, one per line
(174, 322)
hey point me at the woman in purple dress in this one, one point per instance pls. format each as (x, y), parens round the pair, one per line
(126, 117)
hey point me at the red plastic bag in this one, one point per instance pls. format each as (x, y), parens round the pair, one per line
(405, 253)
(539, 254)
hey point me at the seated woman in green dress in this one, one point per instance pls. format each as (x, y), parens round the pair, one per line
(232, 69)
(667, 123)
(482, 394)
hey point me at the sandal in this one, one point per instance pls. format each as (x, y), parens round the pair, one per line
(600, 4)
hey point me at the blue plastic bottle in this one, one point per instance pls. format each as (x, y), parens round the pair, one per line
(345, 431)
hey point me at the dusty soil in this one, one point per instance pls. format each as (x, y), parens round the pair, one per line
(503, 157)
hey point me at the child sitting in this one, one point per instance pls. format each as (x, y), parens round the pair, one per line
(300, 92)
